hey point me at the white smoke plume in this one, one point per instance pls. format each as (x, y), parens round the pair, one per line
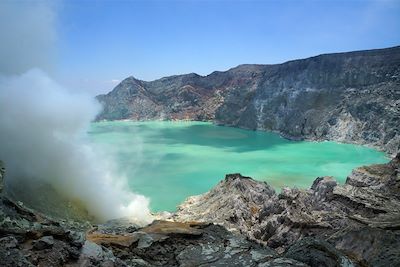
(28, 35)
(43, 126)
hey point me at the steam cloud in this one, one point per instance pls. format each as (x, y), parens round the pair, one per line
(43, 126)
(28, 35)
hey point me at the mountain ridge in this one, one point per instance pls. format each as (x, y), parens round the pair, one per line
(348, 97)
(261, 64)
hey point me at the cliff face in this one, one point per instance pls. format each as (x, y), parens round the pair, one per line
(350, 97)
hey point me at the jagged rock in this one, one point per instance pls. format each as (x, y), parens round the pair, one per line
(322, 189)
(283, 262)
(349, 97)
(327, 225)
(92, 250)
(242, 197)
(43, 243)
(11, 254)
(146, 240)
(177, 244)
(370, 246)
(332, 212)
(95, 255)
(118, 226)
(317, 253)
(215, 246)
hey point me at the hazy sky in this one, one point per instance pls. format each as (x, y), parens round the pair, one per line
(99, 43)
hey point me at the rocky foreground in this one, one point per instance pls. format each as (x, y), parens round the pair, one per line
(360, 218)
(349, 97)
(355, 224)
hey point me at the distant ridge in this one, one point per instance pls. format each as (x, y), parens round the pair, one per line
(348, 97)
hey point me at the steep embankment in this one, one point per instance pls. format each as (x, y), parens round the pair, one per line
(350, 97)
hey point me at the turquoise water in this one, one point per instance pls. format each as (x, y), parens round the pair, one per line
(169, 161)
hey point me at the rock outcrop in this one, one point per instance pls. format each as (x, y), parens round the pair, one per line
(355, 224)
(360, 218)
(28, 238)
(350, 97)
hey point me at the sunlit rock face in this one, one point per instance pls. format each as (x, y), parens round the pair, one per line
(360, 218)
(349, 97)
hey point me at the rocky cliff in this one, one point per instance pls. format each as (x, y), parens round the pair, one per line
(360, 218)
(349, 97)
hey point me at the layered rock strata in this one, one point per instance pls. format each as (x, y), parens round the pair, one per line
(360, 218)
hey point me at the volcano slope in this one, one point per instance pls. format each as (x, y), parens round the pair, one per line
(349, 97)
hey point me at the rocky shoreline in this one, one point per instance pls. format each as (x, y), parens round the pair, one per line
(240, 222)
(348, 97)
(361, 217)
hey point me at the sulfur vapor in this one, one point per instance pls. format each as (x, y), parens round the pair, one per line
(43, 126)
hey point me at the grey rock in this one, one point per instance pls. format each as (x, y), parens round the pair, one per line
(9, 242)
(357, 223)
(10, 254)
(338, 214)
(373, 247)
(76, 238)
(214, 247)
(317, 253)
(145, 241)
(43, 243)
(283, 262)
(117, 226)
(242, 197)
(234, 251)
(92, 250)
(137, 263)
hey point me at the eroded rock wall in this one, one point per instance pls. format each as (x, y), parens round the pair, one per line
(350, 97)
